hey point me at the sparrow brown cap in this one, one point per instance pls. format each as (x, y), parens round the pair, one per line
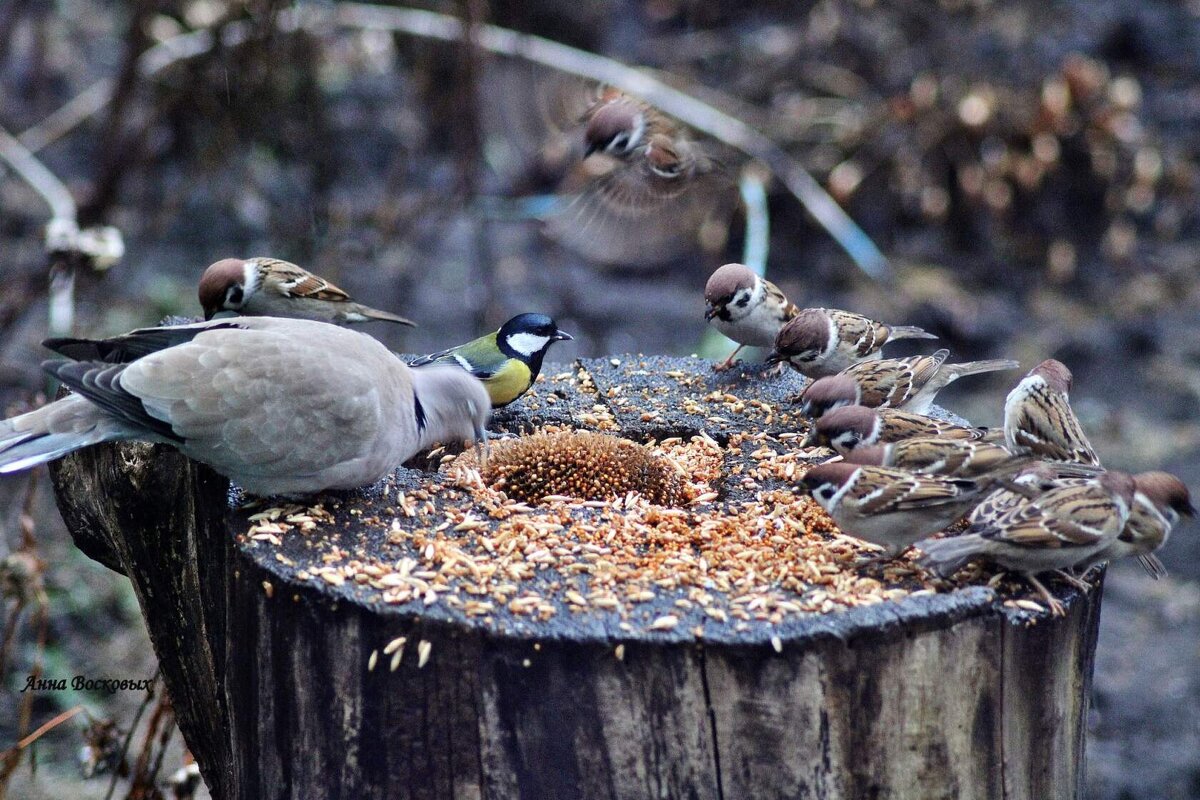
(837, 472)
(1165, 491)
(859, 419)
(727, 280)
(807, 332)
(831, 389)
(1055, 374)
(870, 455)
(216, 279)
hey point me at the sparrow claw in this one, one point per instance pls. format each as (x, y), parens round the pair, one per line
(1077, 582)
(1056, 607)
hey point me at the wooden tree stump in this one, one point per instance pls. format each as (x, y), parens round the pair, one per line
(285, 679)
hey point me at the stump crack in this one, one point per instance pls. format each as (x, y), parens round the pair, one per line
(712, 723)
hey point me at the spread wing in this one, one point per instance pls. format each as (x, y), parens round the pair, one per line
(633, 215)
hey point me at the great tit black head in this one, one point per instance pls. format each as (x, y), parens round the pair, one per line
(526, 336)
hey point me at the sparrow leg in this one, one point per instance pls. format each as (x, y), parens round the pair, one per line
(1056, 608)
(1078, 583)
(728, 363)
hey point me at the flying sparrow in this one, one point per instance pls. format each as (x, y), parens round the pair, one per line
(844, 429)
(907, 383)
(824, 341)
(1068, 525)
(893, 508)
(746, 308)
(269, 287)
(280, 406)
(508, 360)
(1158, 501)
(949, 458)
(1038, 418)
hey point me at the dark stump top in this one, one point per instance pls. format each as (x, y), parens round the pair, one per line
(744, 559)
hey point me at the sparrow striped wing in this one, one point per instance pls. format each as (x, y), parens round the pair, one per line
(1045, 424)
(859, 335)
(890, 382)
(1070, 516)
(779, 299)
(294, 281)
(886, 491)
(900, 425)
(944, 456)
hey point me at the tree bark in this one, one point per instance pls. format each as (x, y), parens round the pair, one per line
(943, 696)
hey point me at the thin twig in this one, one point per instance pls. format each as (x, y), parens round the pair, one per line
(48, 726)
(39, 178)
(112, 785)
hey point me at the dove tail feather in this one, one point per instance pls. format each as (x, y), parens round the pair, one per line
(53, 431)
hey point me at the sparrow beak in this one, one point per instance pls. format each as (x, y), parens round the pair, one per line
(776, 357)
(811, 439)
(711, 312)
(589, 149)
(208, 313)
(561, 336)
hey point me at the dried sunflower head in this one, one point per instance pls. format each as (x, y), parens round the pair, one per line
(581, 464)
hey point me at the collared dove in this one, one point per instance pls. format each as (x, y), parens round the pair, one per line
(280, 406)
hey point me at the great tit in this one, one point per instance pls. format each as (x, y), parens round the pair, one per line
(507, 361)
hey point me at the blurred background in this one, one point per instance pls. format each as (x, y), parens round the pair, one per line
(1029, 168)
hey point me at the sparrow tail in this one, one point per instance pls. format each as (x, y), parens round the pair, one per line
(1153, 566)
(908, 332)
(374, 313)
(946, 556)
(52, 432)
(976, 367)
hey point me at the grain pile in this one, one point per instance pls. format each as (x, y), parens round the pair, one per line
(735, 548)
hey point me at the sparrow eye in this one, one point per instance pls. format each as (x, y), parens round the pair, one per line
(826, 492)
(744, 299)
(234, 296)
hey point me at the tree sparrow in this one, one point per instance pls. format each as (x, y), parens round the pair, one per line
(1068, 525)
(1158, 501)
(907, 383)
(746, 308)
(893, 508)
(269, 287)
(280, 406)
(844, 429)
(1038, 418)
(824, 341)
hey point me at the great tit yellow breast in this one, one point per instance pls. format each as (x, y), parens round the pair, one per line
(508, 383)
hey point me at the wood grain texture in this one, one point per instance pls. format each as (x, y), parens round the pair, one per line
(950, 696)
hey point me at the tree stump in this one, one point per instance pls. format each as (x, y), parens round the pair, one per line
(297, 671)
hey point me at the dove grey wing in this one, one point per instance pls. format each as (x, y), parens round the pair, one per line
(234, 402)
(101, 383)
